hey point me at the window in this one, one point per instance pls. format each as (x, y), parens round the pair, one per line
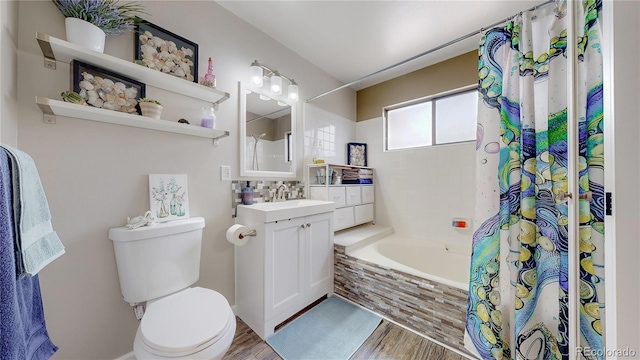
(432, 121)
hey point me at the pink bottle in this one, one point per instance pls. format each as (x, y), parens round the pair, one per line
(209, 79)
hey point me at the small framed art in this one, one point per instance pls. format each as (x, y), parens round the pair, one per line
(168, 196)
(107, 90)
(162, 50)
(357, 154)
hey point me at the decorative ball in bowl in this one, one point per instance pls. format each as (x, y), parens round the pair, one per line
(150, 108)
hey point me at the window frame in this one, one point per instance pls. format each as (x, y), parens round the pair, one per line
(433, 99)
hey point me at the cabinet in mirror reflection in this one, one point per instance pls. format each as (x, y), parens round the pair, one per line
(267, 134)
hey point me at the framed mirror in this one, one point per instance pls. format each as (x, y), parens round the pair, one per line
(267, 134)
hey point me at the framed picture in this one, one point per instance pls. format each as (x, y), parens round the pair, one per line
(357, 154)
(162, 50)
(168, 196)
(105, 89)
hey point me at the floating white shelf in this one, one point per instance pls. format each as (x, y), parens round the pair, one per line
(61, 108)
(55, 49)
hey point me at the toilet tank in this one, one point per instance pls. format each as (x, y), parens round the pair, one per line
(157, 260)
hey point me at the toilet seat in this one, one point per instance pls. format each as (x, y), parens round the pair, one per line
(185, 322)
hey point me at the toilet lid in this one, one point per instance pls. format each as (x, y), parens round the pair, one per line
(185, 322)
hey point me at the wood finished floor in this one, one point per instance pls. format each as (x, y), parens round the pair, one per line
(388, 342)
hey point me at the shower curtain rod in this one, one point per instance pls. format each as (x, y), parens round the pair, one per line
(464, 37)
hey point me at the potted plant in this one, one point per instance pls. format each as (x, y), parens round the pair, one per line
(88, 22)
(150, 108)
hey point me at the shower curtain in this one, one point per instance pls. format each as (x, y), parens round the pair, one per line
(519, 281)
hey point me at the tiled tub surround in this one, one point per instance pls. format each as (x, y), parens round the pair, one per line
(429, 307)
(261, 190)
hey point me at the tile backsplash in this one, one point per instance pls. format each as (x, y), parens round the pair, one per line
(261, 190)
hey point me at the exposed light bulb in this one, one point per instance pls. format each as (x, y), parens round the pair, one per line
(276, 83)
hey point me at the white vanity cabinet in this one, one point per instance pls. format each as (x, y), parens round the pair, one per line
(354, 202)
(284, 268)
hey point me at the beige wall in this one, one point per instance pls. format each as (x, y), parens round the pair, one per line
(8, 76)
(95, 174)
(451, 74)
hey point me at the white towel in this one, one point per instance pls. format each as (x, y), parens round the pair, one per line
(38, 243)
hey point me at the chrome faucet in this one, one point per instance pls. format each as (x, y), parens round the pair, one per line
(281, 192)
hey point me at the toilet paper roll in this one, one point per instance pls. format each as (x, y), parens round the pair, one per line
(234, 234)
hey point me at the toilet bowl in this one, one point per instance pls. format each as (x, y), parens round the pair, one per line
(194, 323)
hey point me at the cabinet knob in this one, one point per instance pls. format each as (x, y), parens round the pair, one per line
(303, 226)
(308, 225)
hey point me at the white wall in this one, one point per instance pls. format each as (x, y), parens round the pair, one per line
(419, 191)
(95, 175)
(326, 135)
(8, 76)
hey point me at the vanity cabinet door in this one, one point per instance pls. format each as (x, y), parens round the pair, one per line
(319, 261)
(284, 272)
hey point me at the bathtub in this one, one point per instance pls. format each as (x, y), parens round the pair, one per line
(433, 260)
(418, 284)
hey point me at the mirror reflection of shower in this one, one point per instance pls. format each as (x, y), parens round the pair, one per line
(254, 164)
(274, 119)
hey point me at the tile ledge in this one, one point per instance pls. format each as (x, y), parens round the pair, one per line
(356, 237)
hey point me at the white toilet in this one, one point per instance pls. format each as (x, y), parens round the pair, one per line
(157, 264)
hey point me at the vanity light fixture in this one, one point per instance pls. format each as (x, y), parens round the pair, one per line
(258, 72)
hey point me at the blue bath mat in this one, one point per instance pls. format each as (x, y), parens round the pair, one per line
(332, 330)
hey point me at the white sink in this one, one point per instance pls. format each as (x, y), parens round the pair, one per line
(274, 211)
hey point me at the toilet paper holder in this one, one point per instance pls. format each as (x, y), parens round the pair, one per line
(250, 233)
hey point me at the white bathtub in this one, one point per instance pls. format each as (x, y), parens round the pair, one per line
(432, 260)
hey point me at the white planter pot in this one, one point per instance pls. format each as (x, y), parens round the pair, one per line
(85, 34)
(151, 110)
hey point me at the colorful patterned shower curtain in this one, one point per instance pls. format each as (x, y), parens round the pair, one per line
(519, 282)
